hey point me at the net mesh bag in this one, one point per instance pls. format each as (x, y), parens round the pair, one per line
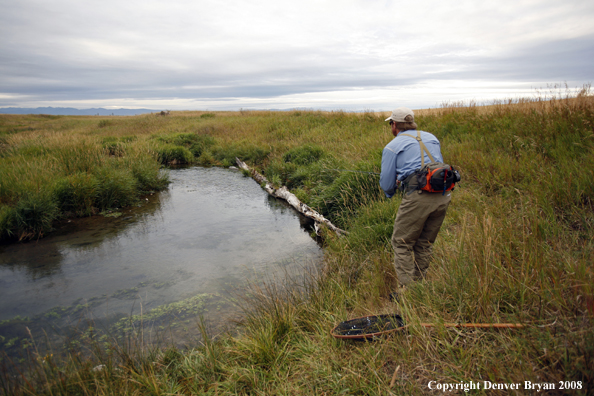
(368, 326)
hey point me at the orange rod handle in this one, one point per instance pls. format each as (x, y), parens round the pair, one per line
(479, 325)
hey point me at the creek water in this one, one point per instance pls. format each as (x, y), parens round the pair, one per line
(183, 253)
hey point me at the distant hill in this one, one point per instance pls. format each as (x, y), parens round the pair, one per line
(72, 111)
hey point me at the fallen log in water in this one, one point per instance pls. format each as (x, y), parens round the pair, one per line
(285, 194)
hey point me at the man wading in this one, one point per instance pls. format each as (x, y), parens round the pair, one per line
(421, 212)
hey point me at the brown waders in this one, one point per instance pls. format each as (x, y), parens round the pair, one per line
(419, 218)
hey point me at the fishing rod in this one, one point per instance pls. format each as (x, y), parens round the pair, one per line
(356, 171)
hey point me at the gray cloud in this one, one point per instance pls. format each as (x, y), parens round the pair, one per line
(69, 51)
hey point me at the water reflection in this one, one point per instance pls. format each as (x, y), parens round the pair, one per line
(211, 231)
(43, 257)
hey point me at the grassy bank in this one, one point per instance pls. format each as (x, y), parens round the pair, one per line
(516, 246)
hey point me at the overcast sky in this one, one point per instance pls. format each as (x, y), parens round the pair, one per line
(349, 55)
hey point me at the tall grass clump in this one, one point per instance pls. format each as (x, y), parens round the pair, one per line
(226, 154)
(349, 192)
(173, 155)
(148, 174)
(303, 167)
(114, 146)
(31, 217)
(304, 155)
(196, 143)
(74, 156)
(117, 188)
(77, 193)
(201, 143)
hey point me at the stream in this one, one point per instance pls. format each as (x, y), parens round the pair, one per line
(185, 253)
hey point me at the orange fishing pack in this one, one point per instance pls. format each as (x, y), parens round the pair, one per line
(435, 176)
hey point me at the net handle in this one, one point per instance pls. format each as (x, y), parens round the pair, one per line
(478, 325)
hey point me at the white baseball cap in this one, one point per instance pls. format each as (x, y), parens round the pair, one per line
(402, 114)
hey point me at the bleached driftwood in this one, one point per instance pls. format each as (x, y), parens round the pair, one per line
(285, 194)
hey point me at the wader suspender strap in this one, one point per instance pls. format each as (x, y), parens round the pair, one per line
(423, 148)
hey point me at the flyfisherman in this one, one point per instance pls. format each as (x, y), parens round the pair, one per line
(421, 212)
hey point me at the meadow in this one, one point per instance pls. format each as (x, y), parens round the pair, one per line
(516, 247)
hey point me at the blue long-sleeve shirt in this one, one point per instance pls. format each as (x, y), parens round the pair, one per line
(402, 156)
